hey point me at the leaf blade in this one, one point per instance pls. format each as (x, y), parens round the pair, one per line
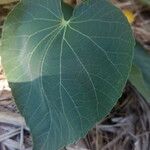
(63, 67)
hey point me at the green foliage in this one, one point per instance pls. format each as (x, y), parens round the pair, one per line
(65, 75)
(140, 74)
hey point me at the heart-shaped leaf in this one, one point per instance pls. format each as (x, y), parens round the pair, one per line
(66, 69)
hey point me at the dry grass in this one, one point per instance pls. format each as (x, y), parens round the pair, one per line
(141, 25)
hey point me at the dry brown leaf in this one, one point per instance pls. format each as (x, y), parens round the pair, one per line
(5, 2)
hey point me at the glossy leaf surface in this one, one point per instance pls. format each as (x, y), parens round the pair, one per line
(65, 74)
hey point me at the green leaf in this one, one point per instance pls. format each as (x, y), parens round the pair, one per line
(65, 74)
(140, 74)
